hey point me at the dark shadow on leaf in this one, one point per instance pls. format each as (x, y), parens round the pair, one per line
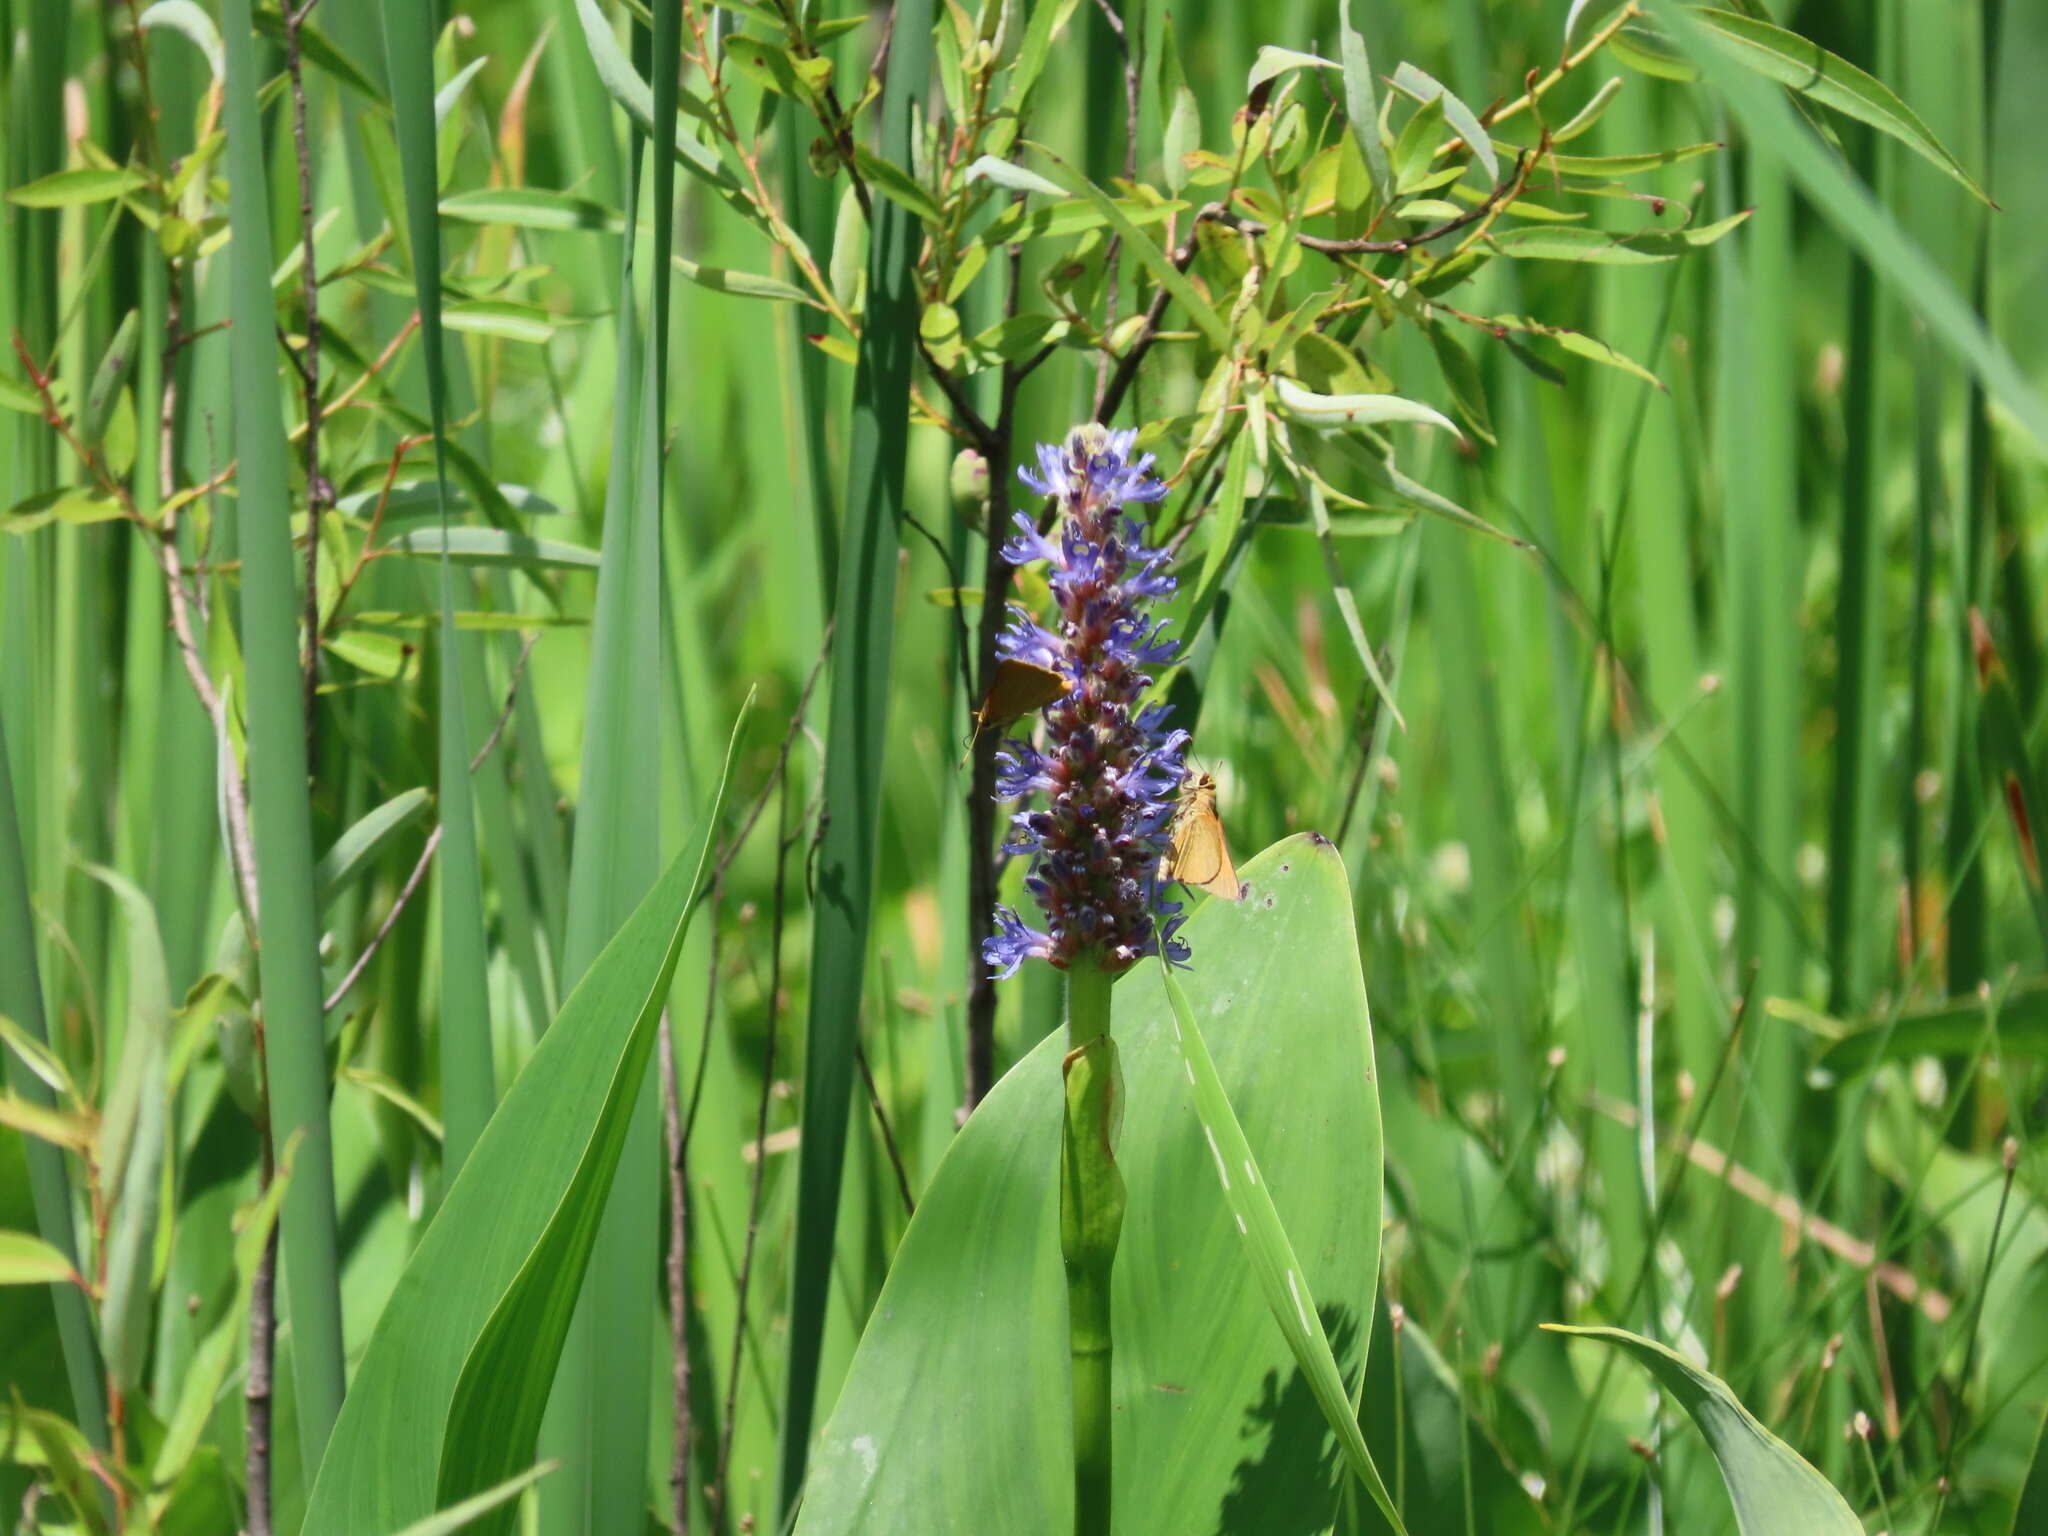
(1287, 1485)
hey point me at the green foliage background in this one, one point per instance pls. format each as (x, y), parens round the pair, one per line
(1692, 885)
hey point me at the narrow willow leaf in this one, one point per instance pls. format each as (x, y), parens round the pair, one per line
(1550, 242)
(397, 1446)
(26, 1259)
(492, 546)
(73, 188)
(857, 736)
(745, 285)
(1046, 21)
(636, 98)
(466, 1515)
(133, 1139)
(288, 924)
(107, 380)
(208, 1369)
(189, 18)
(1273, 62)
(1347, 604)
(451, 93)
(1773, 1488)
(530, 208)
(1224, 524)
(1013, 177)
(1154, 260)
(501, 318)
(1338, 411)
(1361, 104)
(1464, 122)
(415, 497)
(1811, 70)
(357, 848)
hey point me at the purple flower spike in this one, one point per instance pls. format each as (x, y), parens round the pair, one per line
(1111, 767)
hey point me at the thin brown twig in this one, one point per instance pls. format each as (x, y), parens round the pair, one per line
(678, 1280)
(419, 869)
(785, 840)
(867, 1076)
(256, 1394)
(318, 495)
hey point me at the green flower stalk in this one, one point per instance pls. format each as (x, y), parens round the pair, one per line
(1110, 771)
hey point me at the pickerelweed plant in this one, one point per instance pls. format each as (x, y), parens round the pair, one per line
(1110, 771)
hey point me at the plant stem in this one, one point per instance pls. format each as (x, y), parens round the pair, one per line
(1091, 1220)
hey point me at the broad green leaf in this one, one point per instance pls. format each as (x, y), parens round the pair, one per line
(26, 1259)
(959, 1386)
(2031, 1513)
(542, 1168)
(1335, 411)
(1811, 70)
(1288, 1295)
(84, 184)
(491, 546)
(1773, 1488)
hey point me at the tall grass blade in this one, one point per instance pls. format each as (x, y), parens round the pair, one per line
(863, 616)
(1772, 1487)
(21, 1001)
(1774, 132)
(446, 1401)
(287, 924)
(467, 1087)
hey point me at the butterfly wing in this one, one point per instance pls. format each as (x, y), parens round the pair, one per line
(1198, 855)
